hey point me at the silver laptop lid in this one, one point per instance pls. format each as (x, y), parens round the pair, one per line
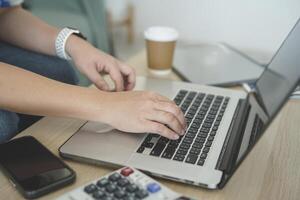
(282, 75)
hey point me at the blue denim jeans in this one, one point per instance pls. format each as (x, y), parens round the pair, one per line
(12, 123)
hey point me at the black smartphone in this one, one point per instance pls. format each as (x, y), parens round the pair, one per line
(32, 168)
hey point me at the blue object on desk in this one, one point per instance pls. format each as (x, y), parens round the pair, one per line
(153, 187)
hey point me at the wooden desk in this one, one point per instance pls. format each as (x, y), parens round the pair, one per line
(271, 171)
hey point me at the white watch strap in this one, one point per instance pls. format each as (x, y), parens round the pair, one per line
(61, 40)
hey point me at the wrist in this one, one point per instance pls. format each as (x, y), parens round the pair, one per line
(75, 46)
(95, 105)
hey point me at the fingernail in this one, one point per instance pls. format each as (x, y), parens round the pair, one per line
(183, 132)
(176, 137)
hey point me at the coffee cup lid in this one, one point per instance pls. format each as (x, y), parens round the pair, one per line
(161, 33)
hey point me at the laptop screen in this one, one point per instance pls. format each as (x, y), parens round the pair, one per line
(282, 74)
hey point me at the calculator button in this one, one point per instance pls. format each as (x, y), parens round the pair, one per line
(108, 198)
(114, 177)
(153, 187)
(131, 188)
(130, 198)
(126, 171)
(123, 182)
(141, 194)
(98, 194)
(90, 188)
(120, 194)
(102, 182)
(111, 188)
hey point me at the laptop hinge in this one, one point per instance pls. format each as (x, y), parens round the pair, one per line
(250, 87)
(230, 149)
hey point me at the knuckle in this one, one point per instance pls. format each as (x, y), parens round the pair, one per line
(177, 111)
(157, 128)
(174, 109)
(169, 117)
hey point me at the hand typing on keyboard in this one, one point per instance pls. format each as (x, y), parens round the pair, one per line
(141, 111)
(203, 113)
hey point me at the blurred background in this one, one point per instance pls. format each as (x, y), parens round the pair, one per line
(255, 27)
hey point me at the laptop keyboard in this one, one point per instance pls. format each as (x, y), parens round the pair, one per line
(203, 114)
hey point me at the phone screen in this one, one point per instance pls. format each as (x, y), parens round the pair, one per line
(30, 164)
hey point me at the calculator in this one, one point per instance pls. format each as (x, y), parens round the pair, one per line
(124, 184)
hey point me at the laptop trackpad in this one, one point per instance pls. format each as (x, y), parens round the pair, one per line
(102, 142)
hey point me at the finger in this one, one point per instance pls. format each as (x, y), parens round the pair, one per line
(155, 127)
(167, 119)
(116, 76)
(96, 78)
(129, 74)
(171, 107)
(160, 97)
(163, 103)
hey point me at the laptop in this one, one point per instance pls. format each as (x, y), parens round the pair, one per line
(215, 64)
(224, 125)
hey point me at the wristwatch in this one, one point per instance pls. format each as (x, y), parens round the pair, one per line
(61, 40)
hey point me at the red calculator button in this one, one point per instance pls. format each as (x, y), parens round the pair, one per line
(126, 171)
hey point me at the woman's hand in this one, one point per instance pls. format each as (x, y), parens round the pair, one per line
(93, 62)
(140, 112)
(136, 111)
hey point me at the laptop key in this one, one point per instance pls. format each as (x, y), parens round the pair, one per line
(182, 151)
(195, 151)
(198, 145)
(213, 133)
(191, 158)
(205, 149)
(187, 140)
(203, 135)
(148, 145)
(199, 140)
(158, 148)
(140, 149)
(190, 135)
(215, 128)
(217, 123)
(210, 138)
(192, 130)
(179, 157)
(163, 140)
(201, 162)
(169, 152)
(174, 143)
(207, 125)
(184, 146)
(203, 155)
(219, 118)
(208, 143)
(205, 130)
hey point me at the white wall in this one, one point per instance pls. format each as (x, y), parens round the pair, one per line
(246, 24)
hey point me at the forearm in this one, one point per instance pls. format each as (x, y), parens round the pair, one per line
(29, 93)
(21, 28)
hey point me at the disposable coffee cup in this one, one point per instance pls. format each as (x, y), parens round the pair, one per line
(160, 45)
